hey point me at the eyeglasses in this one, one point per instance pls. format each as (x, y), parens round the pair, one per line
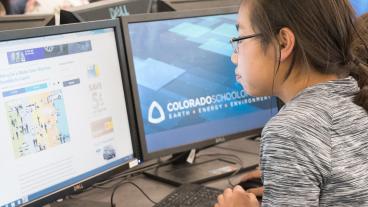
(237, 40)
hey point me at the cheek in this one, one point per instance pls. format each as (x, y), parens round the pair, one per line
(248, 67)
(256, 73)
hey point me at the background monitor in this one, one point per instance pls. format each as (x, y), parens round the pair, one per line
(181, 5)
(361, 6)
(11, 22)
(183, 82)
(107, 9)
(64, 118)
(161, 6)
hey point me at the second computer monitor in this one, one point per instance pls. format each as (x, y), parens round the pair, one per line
(185, 91)
(11, 22)
(107, 9)
(65, 118)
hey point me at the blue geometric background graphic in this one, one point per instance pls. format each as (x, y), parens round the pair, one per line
(181, 59)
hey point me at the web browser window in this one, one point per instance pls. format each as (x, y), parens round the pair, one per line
(62, 113)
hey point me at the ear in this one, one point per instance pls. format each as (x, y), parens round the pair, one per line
(287, 43)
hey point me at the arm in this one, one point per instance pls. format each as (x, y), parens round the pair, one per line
(295, 164)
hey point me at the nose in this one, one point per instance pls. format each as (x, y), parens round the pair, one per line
(234, 58)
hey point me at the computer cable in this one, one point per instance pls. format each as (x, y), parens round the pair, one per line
(121, 177)
(117, 186)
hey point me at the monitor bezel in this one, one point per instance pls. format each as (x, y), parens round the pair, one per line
(134, 86)
(80, 27)
(77, 12)
(46, 19)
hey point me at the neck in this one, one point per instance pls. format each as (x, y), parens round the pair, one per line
(298, 82)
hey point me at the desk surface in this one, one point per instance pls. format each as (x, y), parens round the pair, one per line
(129, 196)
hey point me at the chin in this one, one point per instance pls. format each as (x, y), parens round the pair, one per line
(253, 92)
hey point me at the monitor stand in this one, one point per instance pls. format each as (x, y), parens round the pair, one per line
(180, 171)
(79, 203)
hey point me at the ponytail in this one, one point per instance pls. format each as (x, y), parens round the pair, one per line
(360, 73)
(359, 69)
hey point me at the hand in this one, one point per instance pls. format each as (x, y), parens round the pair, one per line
(2, 9)
(31, 5)
(236, 198)
(255, 174)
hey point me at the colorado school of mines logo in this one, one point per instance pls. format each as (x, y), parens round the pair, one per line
(156, 120)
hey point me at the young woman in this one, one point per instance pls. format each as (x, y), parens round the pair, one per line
(314, 151)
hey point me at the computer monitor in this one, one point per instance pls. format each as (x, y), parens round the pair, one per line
(161, 6)
(181, 5)
(360, 6)
(107, 9)
(183, 82)
(11, 22)
(65, 118)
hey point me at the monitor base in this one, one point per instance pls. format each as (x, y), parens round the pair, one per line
(195, 173)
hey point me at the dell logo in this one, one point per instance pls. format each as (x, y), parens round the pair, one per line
(160, 110)
(220, 139)
(118, 11)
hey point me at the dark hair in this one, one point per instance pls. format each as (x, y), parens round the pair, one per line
(324, 32)
(360, 48)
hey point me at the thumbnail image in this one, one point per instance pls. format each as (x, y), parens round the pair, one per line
(37, 123)
(102, 127)
(108, 152)
(93, 71)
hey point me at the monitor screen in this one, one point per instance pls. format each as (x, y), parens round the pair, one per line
(360, 6)
(63, 117)
(184, 83)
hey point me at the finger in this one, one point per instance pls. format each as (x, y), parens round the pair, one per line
(256, 191)
(251, 175)
(253, 199)
(238, 188)
(216, 205)
(252, 196)
(220, 199)
(227, 193)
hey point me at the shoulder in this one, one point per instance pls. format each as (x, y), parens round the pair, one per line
(309, 114)
(303, 124)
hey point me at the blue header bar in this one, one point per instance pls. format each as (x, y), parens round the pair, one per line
(40, 53)
(25, 90)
